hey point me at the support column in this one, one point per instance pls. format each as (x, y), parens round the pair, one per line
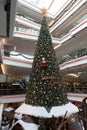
(1, 109)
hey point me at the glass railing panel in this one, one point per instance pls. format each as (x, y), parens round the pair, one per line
(21, 56)
(9, 52)
(79, 21)
(13, 91)
(80, 90)
(10, 89)
(68, 57)
(65, 11)
(24, 30)
(26, 17)
(73, 26)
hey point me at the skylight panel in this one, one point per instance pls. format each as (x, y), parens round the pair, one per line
(56, 6)
(53, 6)
(41, 3)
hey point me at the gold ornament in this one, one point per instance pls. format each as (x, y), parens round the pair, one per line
(44, 11)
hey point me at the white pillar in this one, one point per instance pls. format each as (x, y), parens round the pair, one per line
(1, 110)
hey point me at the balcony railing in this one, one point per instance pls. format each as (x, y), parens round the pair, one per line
(78, 54)
(80, 90)
(13, 91)
(7, 88)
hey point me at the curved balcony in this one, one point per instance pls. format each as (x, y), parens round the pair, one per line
(8, 88)
(78, 59)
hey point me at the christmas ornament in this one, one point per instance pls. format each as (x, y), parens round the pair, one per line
(44, 64)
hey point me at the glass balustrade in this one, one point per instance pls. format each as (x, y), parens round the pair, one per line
(73, 26)
(64, 11)
(68, 57)
(82, 90)
(65, 58)
(10, 89)
(24, 30)
(21, 56)
(26, 17)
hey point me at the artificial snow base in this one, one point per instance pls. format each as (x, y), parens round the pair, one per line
(56, 111)
(26, 126)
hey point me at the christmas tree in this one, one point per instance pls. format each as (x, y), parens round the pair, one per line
(46, 97)
(44, 86)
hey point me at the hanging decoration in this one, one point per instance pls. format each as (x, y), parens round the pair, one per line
(44, 64)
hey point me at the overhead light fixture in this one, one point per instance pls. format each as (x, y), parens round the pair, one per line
(73, 75)
(57, 46)
(51, 22)
(3, 68)
(15, 48)
(4, 41)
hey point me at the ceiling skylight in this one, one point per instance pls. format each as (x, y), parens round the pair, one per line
(53, 6)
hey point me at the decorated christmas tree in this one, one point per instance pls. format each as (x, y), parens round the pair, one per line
(46, 97)
(44, 86)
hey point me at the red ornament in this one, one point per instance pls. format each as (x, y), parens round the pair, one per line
(44, 65)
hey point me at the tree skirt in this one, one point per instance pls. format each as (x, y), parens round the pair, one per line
(56, 111)
(26, 126)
